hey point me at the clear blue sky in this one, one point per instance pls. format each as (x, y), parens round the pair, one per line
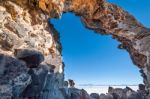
(94, 59)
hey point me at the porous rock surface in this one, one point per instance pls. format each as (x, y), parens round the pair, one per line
(25, 28)
(24, 24)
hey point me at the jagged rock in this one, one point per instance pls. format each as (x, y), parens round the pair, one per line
(142, 92)
(74, 93)
(66, 84)
(141, 87)
(119, 93)
(147, 97)
(107, 96)
(127, 92)
(65, 92)
(6, 92)
(102, 96)
(38, 77)
(21, 53)
(32, 58)
(94, 96)
(84, 94)
(14, 77)
(23, 25)
(71, 83)
(136, 95)
(51, 89)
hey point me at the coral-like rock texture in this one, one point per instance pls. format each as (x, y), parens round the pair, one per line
(25, 24)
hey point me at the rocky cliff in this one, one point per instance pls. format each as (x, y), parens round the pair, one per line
(25, 27)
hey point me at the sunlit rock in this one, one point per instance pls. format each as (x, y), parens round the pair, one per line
(24, 25)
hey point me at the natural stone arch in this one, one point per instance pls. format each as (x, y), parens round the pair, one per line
(109, 19)
(98, 15)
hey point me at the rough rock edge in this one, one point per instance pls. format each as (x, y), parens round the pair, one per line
(100, 16)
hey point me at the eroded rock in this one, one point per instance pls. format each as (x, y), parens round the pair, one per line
(94, 96)
(14, 77)
(24, 25)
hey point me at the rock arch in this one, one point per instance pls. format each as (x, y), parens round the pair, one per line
(109, 19)
(23, 23)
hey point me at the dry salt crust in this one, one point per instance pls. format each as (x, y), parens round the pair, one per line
(102, 89)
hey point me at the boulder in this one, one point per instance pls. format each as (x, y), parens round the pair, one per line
(84, 94)
(95, 96)
(106, 96)
(30, 56)
(71, 83)
(65, 93)
(74, 93)
(136, 95)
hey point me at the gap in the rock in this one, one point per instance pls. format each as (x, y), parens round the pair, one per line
(94, 59)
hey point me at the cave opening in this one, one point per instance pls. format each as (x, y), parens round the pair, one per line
(93, 59)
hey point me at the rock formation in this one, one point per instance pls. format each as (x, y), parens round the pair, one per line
(24, 24)
(23, 27)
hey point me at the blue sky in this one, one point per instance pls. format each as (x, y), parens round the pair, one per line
(94, 59)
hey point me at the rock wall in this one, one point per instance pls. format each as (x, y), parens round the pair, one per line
(25, 25)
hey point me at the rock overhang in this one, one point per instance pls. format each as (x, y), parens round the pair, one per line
(98, 15)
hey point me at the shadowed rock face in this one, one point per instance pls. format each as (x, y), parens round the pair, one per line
(24, 25)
